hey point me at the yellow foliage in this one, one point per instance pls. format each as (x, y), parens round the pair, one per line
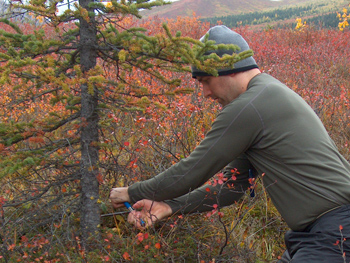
(50, 61)
(91, 88)
(40, 18)
(65, 87)
(77, 70)
(83, 13)
(122, 55)
(300, 25)
(97, 79)
(343, 19)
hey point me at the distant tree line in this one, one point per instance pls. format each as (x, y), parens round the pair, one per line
(329, 20)
(280, 15)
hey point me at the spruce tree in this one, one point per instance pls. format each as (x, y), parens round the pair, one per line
(59, 80)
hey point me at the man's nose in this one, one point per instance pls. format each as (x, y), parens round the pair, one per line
(206, 91)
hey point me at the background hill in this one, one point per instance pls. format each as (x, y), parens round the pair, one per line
(253, 12)
(213, 8)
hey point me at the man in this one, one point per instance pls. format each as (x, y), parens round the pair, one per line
(265, 127)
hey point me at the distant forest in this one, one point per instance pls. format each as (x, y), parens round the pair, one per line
(279, 16)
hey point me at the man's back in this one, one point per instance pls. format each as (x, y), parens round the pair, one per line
(305, 174)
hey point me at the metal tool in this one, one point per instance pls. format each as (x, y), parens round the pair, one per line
(130, 209)
(116, 213)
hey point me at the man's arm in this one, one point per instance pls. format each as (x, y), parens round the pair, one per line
(234, 131)
(235, 184)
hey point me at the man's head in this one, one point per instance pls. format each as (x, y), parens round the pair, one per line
(227, 88)
(223, 35)
(231, 81)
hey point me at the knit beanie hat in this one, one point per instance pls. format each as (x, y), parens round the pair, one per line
(223, 35)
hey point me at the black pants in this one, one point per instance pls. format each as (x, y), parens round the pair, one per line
(326, 240)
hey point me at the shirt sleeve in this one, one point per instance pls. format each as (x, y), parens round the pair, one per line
(236, 184)
(233, 132)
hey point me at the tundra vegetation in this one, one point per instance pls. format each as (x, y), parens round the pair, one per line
(98, 97)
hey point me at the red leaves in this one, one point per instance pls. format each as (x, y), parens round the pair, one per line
(219, 180)
(157, 245)
(36, 140)
(11, 247)
(214, 211)
(342, 240)
(315, 67)
(126, 256)
(141, 237)
(2, 147)
(99, 178)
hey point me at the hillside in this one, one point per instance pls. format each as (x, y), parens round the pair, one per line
(319, 13)
(221, 8)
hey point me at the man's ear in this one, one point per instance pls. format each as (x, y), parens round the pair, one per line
(232, 74)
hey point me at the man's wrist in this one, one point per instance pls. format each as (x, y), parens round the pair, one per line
(168, 211)
(125, 194)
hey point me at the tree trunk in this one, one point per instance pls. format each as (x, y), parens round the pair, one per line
(90, 210)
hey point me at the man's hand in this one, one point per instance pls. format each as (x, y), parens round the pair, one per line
(118, 196)
(151, 211)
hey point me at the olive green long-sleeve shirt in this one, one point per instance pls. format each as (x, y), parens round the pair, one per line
(272, 129)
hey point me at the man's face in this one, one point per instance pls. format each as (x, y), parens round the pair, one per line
(223, 89)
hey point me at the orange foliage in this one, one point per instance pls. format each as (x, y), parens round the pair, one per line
(168, 124)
